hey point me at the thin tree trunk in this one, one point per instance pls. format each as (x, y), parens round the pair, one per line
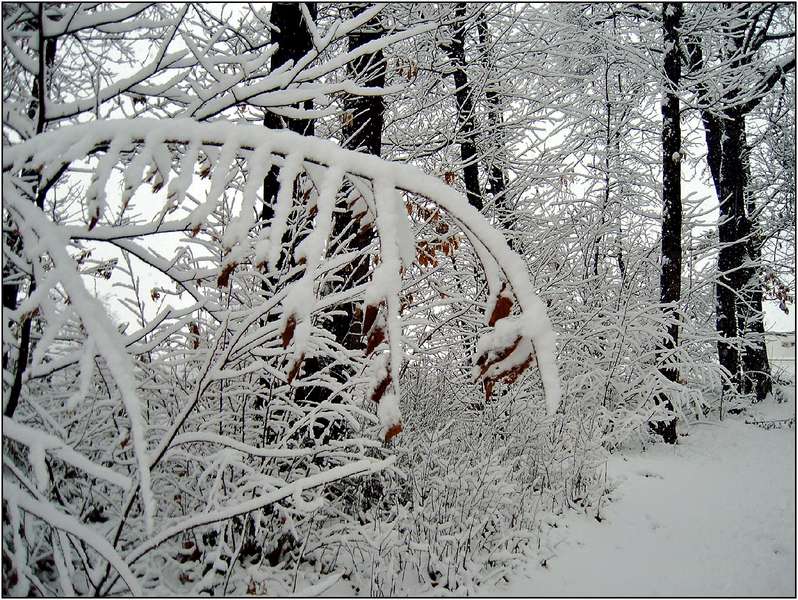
(756, 366)
(10, 292)
(671, 274)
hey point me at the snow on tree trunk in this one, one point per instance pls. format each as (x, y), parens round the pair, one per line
(671, 263)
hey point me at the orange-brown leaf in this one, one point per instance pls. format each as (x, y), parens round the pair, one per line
(512, 374)
(377, 336)
(379, 391)
(224, 277)
(288, 332)
(295, 368)
(488, 388)
(504, 305)
(483, 362)
(393, 431)
(194, 329)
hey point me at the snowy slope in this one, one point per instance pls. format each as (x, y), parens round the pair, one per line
(714, 515)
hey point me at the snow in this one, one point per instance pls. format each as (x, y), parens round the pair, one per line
(776, 320)
(387, 278)
(218, 183)
(711, 516)
(178, 186)
(68, 523)
(283, 203)
(86, 373)
(360, 467)
(39, 441)
(99, 327)
(494, 254)
(388, 412)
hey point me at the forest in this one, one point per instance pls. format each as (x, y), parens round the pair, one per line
(358, 298)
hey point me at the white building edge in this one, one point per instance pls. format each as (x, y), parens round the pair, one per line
(780, 338)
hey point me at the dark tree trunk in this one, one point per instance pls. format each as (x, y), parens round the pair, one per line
(739, 289)
(671, 274)
(733, 228)
(713, 131)
(756, 366)
(294, 41)
(362, 131)
(716, 124)
(466, 119)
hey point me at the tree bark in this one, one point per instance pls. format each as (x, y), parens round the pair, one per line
(10, 292)
(756, 366)
(294, 41)
(362, 132)
(738, 291)
(732, 234)
(671, 274)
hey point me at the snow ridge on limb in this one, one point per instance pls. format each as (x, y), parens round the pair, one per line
(499, 262)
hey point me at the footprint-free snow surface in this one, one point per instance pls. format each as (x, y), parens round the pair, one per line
(712, 516)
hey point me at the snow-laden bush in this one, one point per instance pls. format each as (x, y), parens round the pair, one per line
(200, 439)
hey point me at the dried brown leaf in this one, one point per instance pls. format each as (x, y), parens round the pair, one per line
(504, 305)
(295, 368)
(379, 391)
(224, 277)
(288, 332)
(393, 431)
(483, 362)
(376, 337)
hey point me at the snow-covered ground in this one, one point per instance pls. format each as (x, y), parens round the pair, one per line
(712, 516)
